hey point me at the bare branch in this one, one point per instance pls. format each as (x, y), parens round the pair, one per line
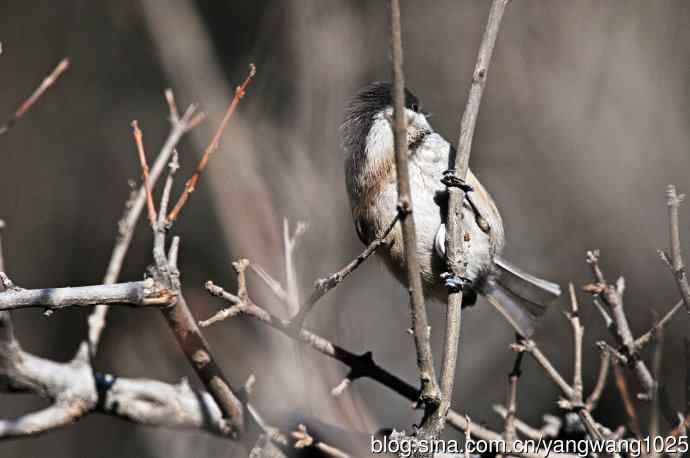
(549, 430)
(47, 82)
(325, 284)
(290, 244)
(531, 347)
(360, 365)
(139, 293)
(578, 331)
(212, 147)
(645, 338)
(454, 179)
(455, 239)
(511, 409)
(273, 284)
(172, 106)
(304, 440)
(675, 263)
(612, 298)
(573, 398)
(656, 367)
(633, 421)
(430, 394)
(596, 393)
(144, 171)
(127, 224)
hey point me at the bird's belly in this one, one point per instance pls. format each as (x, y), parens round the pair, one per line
(427, 217)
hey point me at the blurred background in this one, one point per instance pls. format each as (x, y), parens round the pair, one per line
(584, 122)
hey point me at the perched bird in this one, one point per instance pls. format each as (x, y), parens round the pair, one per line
(367, 141)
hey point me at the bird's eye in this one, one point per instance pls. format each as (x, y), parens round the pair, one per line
(415, 108)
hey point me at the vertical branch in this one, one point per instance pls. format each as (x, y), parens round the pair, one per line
(290, 245)
(2, 259)
(511, 411)
(675, 261)
(429, 389)
(578, 332)
(633, 421)
(686, 342)
(133, 209)
(144, 171)
(596, 393)
(656, 368)
(455, 182)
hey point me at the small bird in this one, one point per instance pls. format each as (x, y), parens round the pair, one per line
(367, 142)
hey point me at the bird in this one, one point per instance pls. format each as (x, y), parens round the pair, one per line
(366, 139)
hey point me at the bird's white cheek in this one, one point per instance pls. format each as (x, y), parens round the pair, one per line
(379, 141)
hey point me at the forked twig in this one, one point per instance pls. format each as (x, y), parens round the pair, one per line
(675, 260)
(327, 283)
(128, 222)
(360, 365)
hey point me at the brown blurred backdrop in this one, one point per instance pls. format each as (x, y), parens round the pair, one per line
(585, 120)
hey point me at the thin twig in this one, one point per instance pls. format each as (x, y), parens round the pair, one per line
(675, 262)
(362, 365)
(172, 105)
(325, 284)
(190, 185)
(47, 82)
(596, 393)
(531, 347)
(573, 398)
(686, 343)
(144, 171)
(430, 394)
(511, 409)
(658, 326)
(549, 430)
(304, 440)
(578, 332)
(612, 298)
(290, 245)
(128, 222)
(656, 367)
(633, 421)
(456, 238)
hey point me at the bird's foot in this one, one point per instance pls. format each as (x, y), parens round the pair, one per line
(451, 180)
(455, 283)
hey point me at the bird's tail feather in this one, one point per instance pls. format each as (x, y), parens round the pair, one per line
(520, 297)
